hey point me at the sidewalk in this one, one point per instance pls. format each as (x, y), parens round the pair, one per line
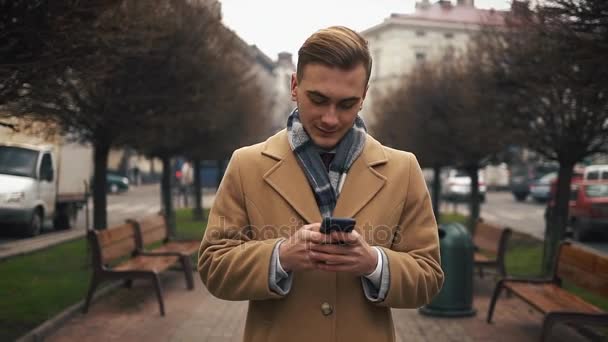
(132, 315)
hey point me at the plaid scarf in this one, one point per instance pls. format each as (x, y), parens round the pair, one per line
(325, 185)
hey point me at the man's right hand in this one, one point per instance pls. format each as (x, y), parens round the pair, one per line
(294, 252)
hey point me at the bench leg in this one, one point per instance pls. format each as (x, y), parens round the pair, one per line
(92, 287)
(497, 290)
(187, 267)
(159, 293)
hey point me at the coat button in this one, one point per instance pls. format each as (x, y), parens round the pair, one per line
(326, 309)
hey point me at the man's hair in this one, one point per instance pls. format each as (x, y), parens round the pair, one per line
(335, 46)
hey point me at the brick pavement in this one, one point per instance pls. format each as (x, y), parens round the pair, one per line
(132, 315)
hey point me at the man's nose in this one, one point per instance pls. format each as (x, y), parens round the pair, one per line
(329, 118)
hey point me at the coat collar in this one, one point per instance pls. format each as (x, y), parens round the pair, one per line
(287, 178)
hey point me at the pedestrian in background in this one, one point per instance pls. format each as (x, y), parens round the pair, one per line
(263, 241)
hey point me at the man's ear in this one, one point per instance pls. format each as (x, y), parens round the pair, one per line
(294, 87)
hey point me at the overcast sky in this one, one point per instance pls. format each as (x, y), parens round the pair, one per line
(283, 25)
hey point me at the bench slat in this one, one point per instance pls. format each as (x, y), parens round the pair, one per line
(487, 236)
(478, 257)
(583, 268)
(118, 249)
(549, 298)
(184, 247)
(155, 264)
(112, 235)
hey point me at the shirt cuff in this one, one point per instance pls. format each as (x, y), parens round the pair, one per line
(374, 277)
(376, 293)
(279, 280)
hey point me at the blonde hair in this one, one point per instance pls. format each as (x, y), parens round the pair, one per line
(335, 46)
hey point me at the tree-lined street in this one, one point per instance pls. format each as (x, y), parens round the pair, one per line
(523, 217)
(136, 203)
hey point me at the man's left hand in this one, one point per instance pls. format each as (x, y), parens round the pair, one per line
(353, 254)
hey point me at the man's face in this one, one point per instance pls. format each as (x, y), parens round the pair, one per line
(329, 99)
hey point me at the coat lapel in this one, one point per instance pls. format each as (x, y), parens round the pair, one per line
(363, 181)
(286, 177)
(288, 180)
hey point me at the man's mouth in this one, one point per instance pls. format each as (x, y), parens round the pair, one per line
(327, 131)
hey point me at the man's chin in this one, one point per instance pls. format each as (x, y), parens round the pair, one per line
(325, 142)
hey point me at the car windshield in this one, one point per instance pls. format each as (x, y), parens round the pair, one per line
(597, 190)
(461, 173)
(546, 179)
(18, 161)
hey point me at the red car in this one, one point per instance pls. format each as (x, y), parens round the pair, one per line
(588, 208)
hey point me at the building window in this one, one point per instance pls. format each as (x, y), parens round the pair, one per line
(420, 33)
(420, 57)
(449, 35)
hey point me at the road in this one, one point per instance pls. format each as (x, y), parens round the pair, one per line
(525, 217)
(500, 207)
(137, 202)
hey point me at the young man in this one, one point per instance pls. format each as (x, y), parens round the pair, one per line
(263, 242)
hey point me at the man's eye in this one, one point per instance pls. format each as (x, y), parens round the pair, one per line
(317, 100)
(347, 105)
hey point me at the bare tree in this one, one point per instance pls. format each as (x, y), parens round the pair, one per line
(127, 80)
(445, 114)
(550, 63)
(39, 38)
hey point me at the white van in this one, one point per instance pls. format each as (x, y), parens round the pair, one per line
(43, 181)
(595, 172)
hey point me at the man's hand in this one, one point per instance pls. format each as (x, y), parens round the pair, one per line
(354, 255)
(294, 252)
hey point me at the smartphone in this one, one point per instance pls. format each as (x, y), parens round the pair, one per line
(337, 224)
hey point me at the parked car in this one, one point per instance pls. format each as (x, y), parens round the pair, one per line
(457, 186)
(117, 183)
(593, 172)
(540, 189)
(523, 175)
(588, 208)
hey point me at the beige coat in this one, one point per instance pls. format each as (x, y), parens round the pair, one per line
(265, 196)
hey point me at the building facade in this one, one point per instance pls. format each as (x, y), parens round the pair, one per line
(434, 31)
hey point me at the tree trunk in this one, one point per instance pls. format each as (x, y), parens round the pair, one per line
(197, 211)
(100, 196)
(152, 171)
(557, 219)
(167, 198)
(474, 207)
(436, 191)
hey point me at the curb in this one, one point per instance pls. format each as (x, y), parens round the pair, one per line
(45, 329)
(8, 256)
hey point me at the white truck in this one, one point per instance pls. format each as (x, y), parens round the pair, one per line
(42, 181)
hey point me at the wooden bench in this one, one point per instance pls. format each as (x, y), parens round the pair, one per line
(153, 229)
(576, 264)
(116, 257)
(490, 239)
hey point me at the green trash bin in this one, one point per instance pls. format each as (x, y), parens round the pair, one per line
(456, 296)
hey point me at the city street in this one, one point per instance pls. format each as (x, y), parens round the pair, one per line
(137, 202)
(524, 217)
(500, 207)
